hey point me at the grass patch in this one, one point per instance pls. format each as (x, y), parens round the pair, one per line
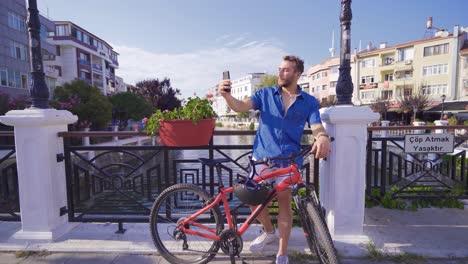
(29, 253)
(375, 254)
(301, 257)
(387, 201)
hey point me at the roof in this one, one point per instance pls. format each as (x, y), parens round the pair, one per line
(457, 106)
(93, 35)
(371, 52)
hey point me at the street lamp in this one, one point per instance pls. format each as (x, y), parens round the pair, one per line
(344, 86)
(39, 90)
(442, 112)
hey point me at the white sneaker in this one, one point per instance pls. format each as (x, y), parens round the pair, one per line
(282, 259)
(261, 241)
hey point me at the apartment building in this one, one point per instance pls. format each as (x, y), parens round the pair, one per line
(84, 56)
(241, 88)
(426, 65)
(321, 79)
(463, 70)
(15, 71)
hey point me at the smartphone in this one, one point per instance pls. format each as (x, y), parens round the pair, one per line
(226, 76)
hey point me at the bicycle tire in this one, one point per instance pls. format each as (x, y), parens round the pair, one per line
(319, 234)
(301, 213)
(161, 225)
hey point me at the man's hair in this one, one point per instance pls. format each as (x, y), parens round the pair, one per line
(298, 61)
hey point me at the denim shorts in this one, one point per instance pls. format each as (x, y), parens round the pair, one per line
(274, 181)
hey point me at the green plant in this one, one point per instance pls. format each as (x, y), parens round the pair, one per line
(252, 126)
(465, 123)
(219, 124)
(194, 109)
(452, 121)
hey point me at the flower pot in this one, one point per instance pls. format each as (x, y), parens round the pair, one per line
(184, 133)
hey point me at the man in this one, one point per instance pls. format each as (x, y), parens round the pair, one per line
(284, 110)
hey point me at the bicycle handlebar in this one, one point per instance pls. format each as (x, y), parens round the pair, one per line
(304, 152)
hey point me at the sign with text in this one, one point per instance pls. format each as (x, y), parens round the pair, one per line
(429, 143)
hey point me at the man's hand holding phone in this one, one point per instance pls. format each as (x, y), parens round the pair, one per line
(225, 85)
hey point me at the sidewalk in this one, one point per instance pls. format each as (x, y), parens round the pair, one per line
(431, 233)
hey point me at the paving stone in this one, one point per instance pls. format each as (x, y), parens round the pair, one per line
(9, 258)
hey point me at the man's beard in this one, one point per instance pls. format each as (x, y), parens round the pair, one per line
(284, 83)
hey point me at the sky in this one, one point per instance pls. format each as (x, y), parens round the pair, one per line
(192, 42)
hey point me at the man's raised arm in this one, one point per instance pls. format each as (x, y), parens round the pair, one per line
(233, 103)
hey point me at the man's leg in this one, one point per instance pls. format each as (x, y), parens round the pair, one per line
(264, 218)
(284, 220)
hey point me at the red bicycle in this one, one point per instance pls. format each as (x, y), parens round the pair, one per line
(188, 226)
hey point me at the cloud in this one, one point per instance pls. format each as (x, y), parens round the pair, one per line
(197, 71)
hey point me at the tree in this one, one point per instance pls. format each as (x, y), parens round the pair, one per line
(380, 106)
(160, 94)
(130, 105)
(87, 102)
(267, 80)
(414, 102)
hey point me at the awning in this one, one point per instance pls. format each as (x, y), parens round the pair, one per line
(454, 107)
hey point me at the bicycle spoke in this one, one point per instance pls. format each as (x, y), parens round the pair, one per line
(174, 205)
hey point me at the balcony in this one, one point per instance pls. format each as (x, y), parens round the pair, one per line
(368, 86)
(98, 84)
(88, 81)
(48, 57)
(84, 62)
(97, 67)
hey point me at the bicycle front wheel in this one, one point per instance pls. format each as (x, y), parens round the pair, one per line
(173, 205)
(318, 234)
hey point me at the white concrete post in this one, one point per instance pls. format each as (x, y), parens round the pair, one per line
(86, 139)
(384, 123)
(343, 174)
(41, 178)
(115, 139)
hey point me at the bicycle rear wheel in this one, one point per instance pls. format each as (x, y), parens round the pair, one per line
(174, 204)
(318, 234)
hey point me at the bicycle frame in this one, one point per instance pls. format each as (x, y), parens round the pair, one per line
(295, 178)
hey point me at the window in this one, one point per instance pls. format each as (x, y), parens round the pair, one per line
(16, 21)
(332, 84)
(86, 39)
(386, 95)
(334, 69)
(405, 54)
(367, 79)
(324, 87)
(18, 51)
(57, 50)
(43, 32)
(435, 69)
(368, 95)
(436, 50)
(388, 60)
(24, 80)
(61, 30)
(367, 63)
(388, 77)
(95, 43)
(465, 65)
(3, 77)
(84, 56)
(79, 35)
(437, 89)
(404, 74)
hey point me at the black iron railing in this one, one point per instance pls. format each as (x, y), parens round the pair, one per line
(9, 194)
(108, 183)
(429, 175)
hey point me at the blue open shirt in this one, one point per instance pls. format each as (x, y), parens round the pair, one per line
(280, 135)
